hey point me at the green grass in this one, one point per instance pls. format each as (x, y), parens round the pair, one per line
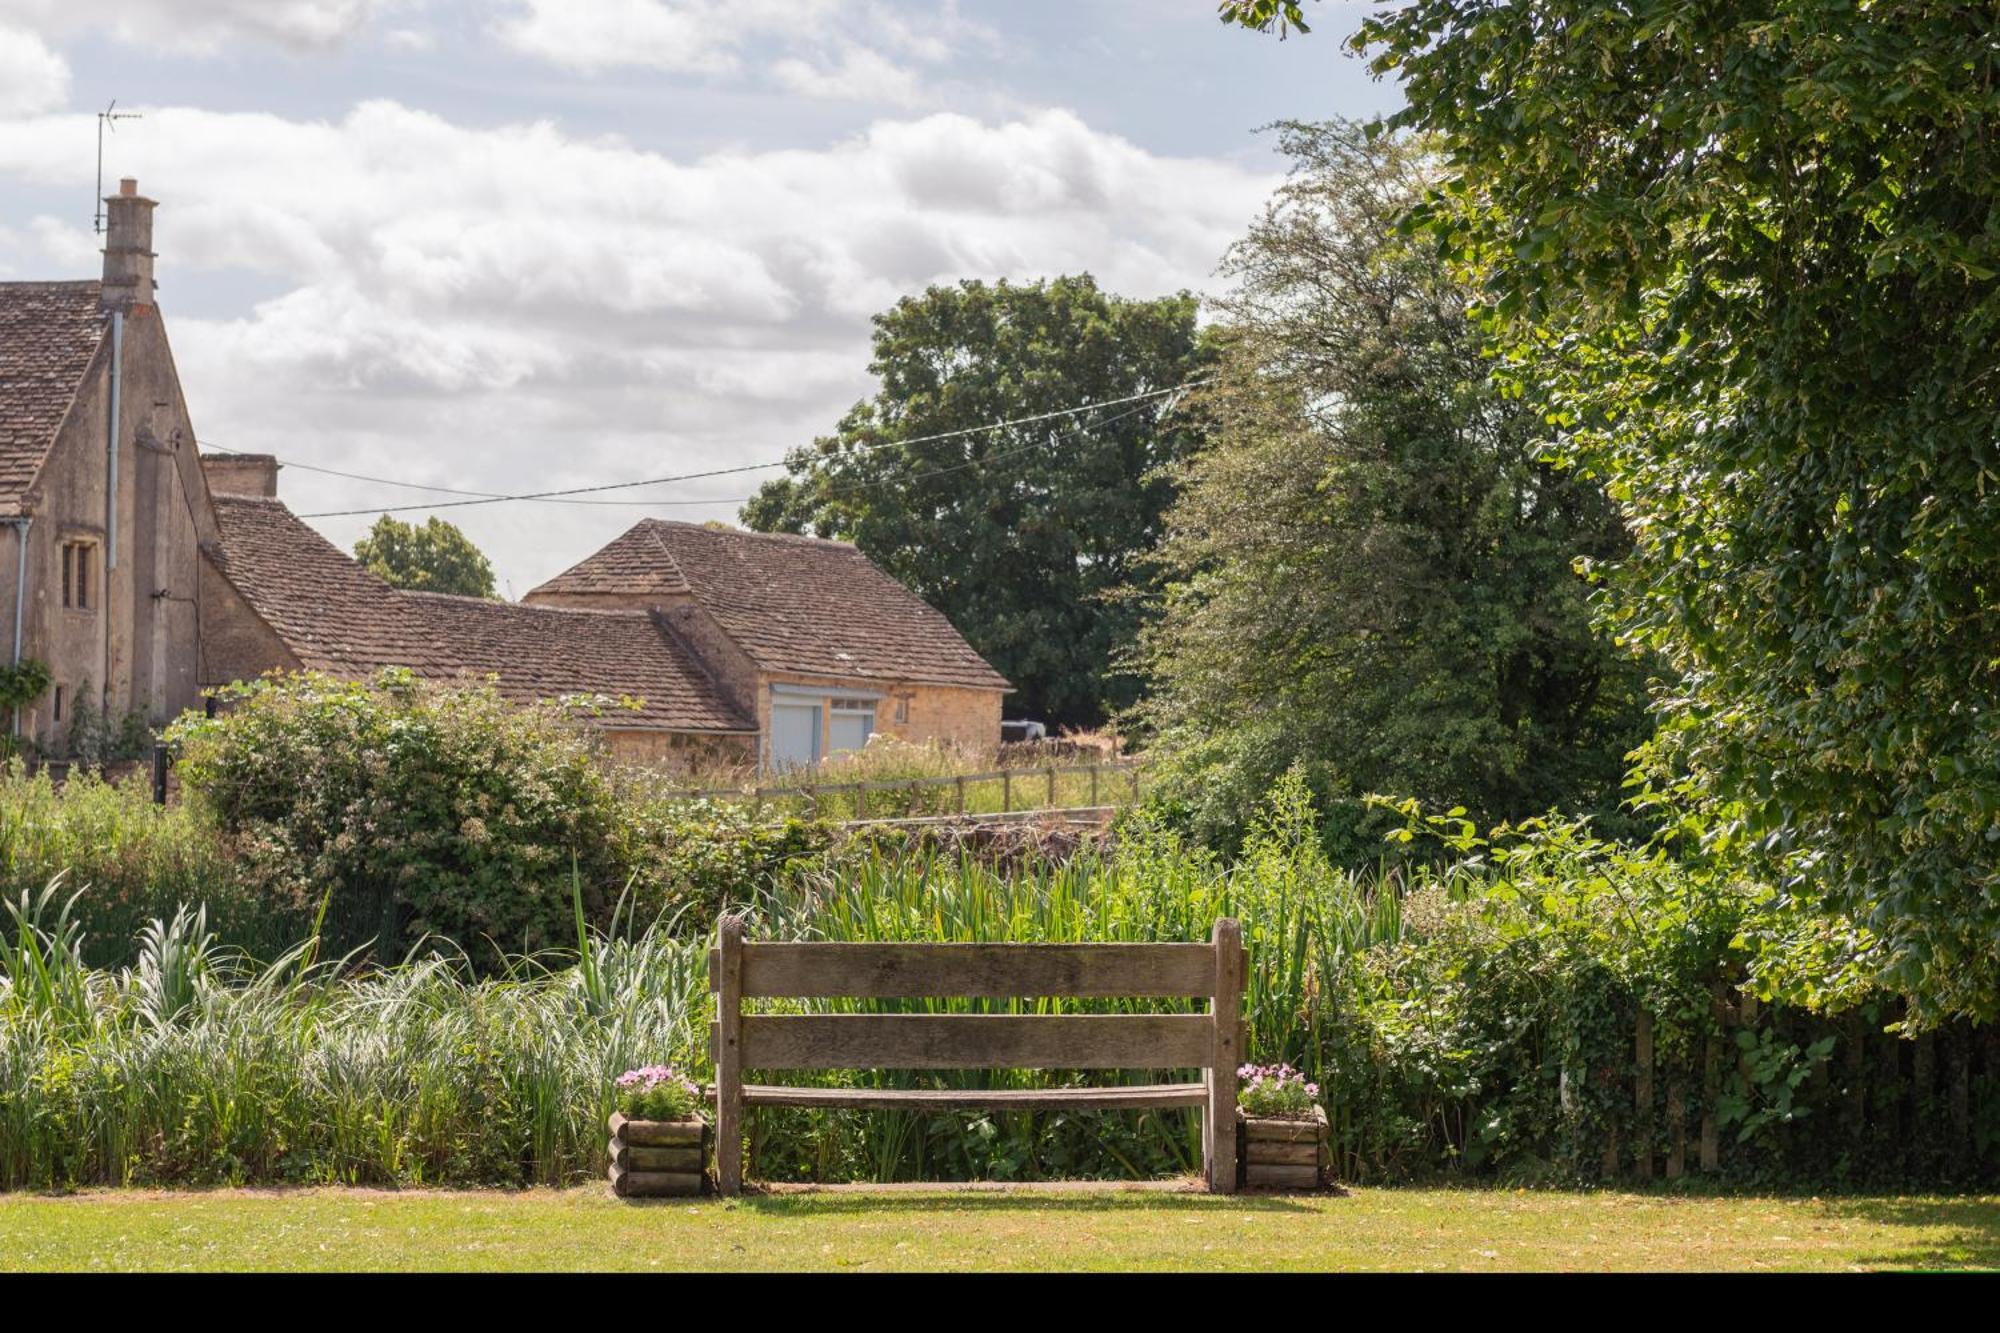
(923, 1229)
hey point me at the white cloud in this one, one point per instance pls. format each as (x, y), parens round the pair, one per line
(516, 307)
(33, 78)
(816, 48)
(859, 75)
(202, 25)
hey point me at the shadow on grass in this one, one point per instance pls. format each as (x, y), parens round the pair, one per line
(1971, 1226)
(821, 1202)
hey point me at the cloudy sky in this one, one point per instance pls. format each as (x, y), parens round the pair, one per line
(507, 245)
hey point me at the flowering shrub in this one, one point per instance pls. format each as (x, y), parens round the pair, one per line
(658, 1092)
(1275, 1090)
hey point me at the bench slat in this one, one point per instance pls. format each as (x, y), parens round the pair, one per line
(976, 1041)
(988, 971)
(1129, 1098)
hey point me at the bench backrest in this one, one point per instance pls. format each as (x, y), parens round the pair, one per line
(977, 971)
(1210, 1041)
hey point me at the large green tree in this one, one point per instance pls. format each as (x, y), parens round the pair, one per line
(1371, 565)
(432, 556)
(1747, 254)
(1029, 538)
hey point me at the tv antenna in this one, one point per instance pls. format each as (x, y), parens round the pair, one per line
(107, 119)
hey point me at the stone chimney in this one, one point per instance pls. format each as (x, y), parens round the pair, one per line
(254, 475)
(128, 248)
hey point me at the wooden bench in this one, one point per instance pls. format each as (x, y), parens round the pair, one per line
(1211, 1041)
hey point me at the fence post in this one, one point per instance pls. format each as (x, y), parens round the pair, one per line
(1642, 1129)
(960, 780)
(729, 1057)
(861, 801)
(1711, 1082)
(1052, 786)
(1093, 786)
(1006, 790)
(1219, 1127)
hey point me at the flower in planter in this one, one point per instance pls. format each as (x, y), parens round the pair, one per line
(658, 1092)
(1275, 1091)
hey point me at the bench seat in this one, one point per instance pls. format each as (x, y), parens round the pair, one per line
(1131, 1097)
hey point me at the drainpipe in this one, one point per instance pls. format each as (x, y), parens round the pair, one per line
(111, 440)
(20, 596)
(111, 498)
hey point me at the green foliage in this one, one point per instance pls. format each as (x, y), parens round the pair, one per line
(1286, 16)
(691, 859)
(1021, 536)
(1476, 1019)
(23, 682)
(433, 556)
(1744, 255)
(1371, 568)
(96, 738)
(469, 811)
(125, 861)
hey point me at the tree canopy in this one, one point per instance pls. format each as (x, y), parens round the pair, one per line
(432, 556)
(1746, 254)
(1370, 566)
(1027, 537)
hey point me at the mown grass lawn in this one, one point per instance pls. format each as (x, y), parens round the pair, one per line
(933, 1229)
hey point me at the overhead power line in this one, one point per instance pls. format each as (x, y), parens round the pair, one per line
(566, 495)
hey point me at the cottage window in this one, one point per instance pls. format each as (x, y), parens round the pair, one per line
(58, 703)
(77, 572)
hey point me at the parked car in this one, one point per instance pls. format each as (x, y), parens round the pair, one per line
(1021, 729)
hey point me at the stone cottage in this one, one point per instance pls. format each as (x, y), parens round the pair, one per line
(102, 502)
(142, 573)
(806, 636)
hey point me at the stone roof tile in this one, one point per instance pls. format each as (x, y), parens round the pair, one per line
(49, 331)
(793, 604)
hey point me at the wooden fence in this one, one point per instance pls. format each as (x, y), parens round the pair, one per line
(1113, 779)
(1875, 1106)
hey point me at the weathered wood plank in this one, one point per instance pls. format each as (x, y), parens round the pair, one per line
(974, 1041)
(1224, 1054)
(1282, 1131)
(656, 1159)
(1136, 1097)
(729, 1057)
(655, 1133)
(654, 1184)
(1277, 1152)
(984, 971)
(1281, 1177)
(1642, 1094)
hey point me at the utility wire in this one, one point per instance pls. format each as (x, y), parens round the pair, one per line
(487, 497)
(838, 487)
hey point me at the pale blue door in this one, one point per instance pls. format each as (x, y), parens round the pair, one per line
(794, 734)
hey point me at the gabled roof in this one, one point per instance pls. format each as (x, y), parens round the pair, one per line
(636, 563)
(793, 604)
(541, 652)
(49, 331)
(330, 611)
(337, 617)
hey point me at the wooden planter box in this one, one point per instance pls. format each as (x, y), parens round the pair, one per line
(652, 1159)
(1291, 1154)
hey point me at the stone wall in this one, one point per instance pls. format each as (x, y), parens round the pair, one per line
(678, 752)
(136, 645)
(236, 644)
